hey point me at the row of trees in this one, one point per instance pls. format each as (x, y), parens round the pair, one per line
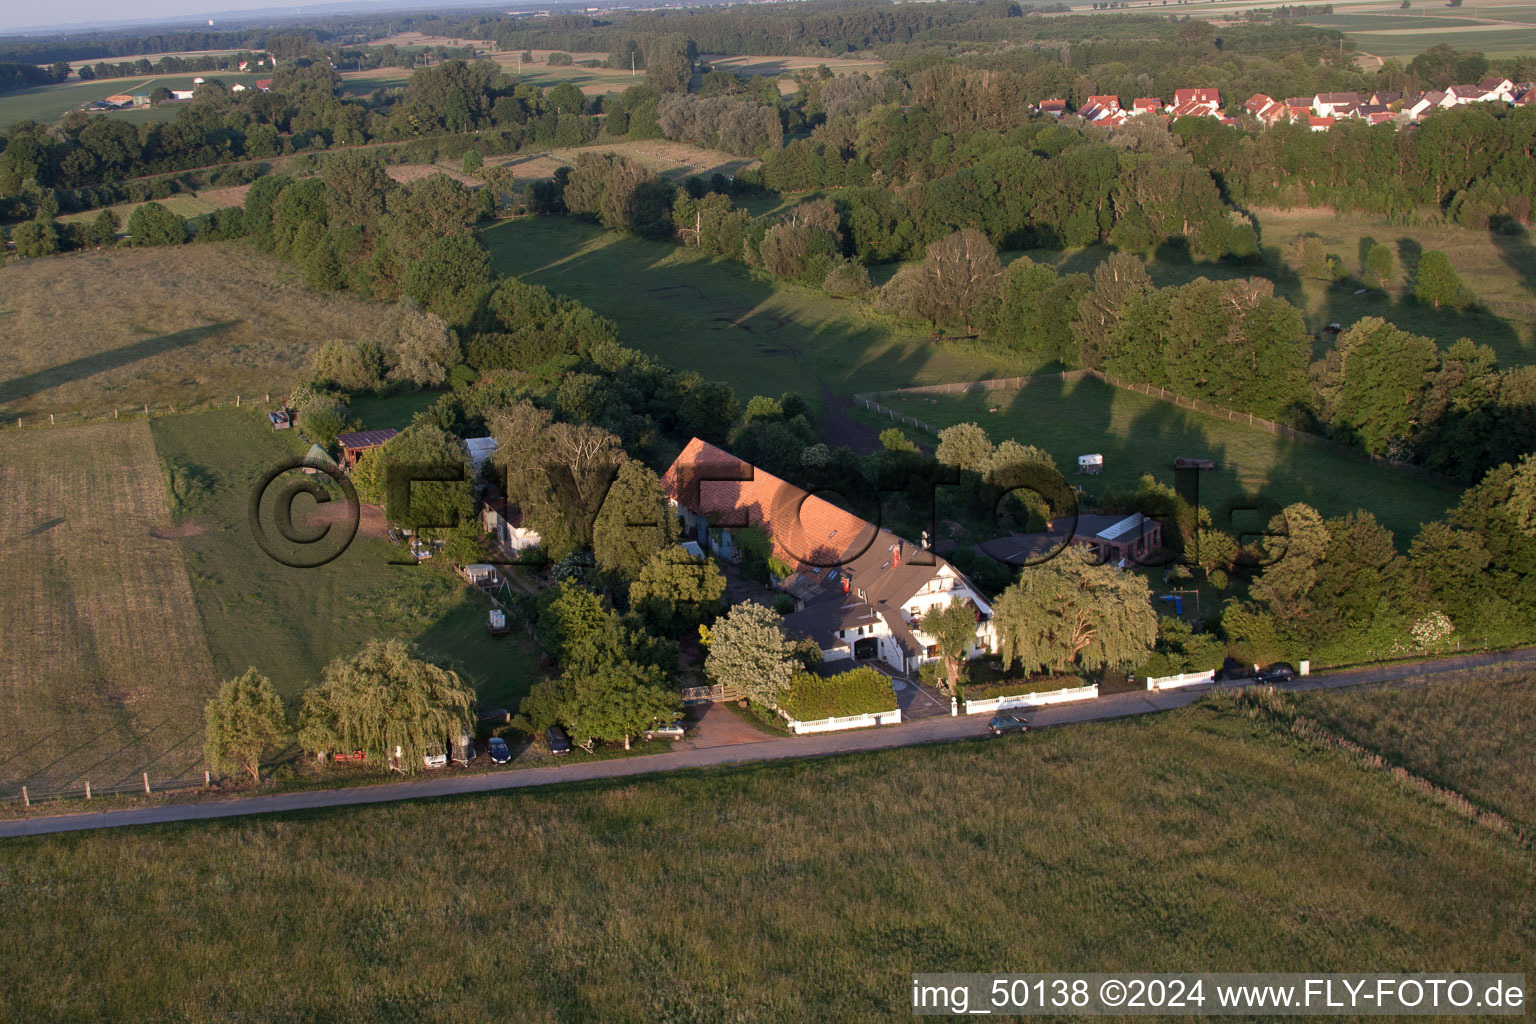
(384, 701)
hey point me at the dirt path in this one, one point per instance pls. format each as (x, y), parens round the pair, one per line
(928, 730)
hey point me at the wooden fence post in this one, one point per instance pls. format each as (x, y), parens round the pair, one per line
(237, 401)
(146, 783)
(207, 780)
(50, 419)
(26, 801)
(87, 789)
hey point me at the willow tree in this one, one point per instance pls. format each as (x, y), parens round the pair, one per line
(244, 721)
(394, 707)
(1073, 610)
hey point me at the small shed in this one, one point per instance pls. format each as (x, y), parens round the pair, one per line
(358, 443)
(1182, 463)
(496, 622)
(1092, 465)
(317, 456)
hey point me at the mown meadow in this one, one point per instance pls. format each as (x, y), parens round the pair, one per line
(1195, 840)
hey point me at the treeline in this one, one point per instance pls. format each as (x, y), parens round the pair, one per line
(1475, 163)
(303, 112)
(1337, 590)
(167, 65)
(15, 76)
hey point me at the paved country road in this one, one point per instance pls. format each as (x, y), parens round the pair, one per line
(927, 730)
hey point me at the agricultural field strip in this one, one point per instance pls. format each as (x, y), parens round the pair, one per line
(105, 667)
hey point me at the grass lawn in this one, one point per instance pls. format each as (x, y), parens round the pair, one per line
(289, 622)
(796, 891)
(103, 669)
(92, 331)
(725, 322)
(48, 103)
(1138, 435)
(1470, 733)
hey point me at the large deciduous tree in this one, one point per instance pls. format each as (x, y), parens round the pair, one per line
(1072, 610)
(386, 702)
(675, 591)
(634, 523)
(749, 651)
(953, 628)
(244, 721)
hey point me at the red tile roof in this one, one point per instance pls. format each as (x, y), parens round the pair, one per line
(804, 529)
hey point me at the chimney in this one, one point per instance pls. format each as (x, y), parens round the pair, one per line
(895, 554)
(845, 584)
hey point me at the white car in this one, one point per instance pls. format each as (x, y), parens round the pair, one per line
(674, 731)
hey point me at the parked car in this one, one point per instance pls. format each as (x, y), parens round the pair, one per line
(559, 742)
(497, 748)
(1008, 721)
(1275, 674)
(672, 731)
(464, 749)
(436, 758)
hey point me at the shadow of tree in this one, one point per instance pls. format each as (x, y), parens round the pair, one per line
(100, 362)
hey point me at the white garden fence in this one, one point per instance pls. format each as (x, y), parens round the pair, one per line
(863, 721)
(1031, 700)
(1187, 679)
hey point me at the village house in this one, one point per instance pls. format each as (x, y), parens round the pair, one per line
(1055, 108)
(1335, 104)
(1195, 103)
(860, 591)
(1146, 105)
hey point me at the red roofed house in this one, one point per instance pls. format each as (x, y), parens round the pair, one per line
(1320, 124)
(264, 84)
(859, 590)
(1146, 105)
(1525, 94)
(1195, 103)
(1266, 108)
(1097, 108)
(1053, 107)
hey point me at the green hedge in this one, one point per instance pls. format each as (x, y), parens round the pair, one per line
(856, 692)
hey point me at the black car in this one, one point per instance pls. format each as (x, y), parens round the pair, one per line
(1275, 674)
(1008, 721)
(559, 742)
(497, 748)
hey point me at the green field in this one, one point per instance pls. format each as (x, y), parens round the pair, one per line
(1138, 435)
(1470, 733)
(1383, 22)
(727, 323)
(1491, 41)
(48, 103)
(289, 622)
(797, 891)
